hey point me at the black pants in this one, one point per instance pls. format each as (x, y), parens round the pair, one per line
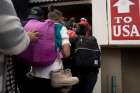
(87, 81)
(21, 68)
(87, 78)
(40, 85)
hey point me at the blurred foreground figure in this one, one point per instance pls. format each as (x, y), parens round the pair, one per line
(13, 40)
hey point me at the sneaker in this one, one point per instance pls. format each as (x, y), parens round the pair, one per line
(63, 78)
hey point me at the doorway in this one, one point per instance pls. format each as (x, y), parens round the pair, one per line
(131, 70)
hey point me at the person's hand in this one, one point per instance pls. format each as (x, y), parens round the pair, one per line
(33, 35)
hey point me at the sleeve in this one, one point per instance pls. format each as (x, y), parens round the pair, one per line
(64, 35)
(13, 39)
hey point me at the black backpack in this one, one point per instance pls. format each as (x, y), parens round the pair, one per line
(86, 54)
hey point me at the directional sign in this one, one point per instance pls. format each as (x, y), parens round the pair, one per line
(123, 6)
(124, 22)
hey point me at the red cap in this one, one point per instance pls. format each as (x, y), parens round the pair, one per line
(83, 21)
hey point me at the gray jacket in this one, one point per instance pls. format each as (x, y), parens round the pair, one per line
(13, 40)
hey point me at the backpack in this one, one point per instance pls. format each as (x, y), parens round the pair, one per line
(86, 53)
(42, 52)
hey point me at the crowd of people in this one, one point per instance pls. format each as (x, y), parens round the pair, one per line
(62, 75)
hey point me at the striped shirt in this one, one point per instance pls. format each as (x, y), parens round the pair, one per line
(13, 39)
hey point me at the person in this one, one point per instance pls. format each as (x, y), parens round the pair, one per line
(52, 77)
(84, 21)
(13, 41)
(71, 24)
(21, 69)
(85, 68)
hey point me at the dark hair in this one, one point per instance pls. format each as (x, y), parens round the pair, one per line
(54, 14)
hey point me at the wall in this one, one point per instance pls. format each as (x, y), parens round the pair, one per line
(122, 63)
(99, 21)
(99, 30)
(111, 66)
(97, 88)
(131, 70)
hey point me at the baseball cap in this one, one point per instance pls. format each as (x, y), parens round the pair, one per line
(36, 12)
(83, 21)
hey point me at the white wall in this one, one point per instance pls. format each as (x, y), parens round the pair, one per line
(99, 21)
(100, 30)
(97, 88)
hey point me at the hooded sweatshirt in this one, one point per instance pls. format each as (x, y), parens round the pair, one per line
(13, 39)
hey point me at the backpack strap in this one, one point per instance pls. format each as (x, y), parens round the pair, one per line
(58, 38)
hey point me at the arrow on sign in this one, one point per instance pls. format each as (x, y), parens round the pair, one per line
(123, 6)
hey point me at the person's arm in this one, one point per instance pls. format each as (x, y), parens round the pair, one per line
(13, 39)
(65, 42)
(66, 50)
